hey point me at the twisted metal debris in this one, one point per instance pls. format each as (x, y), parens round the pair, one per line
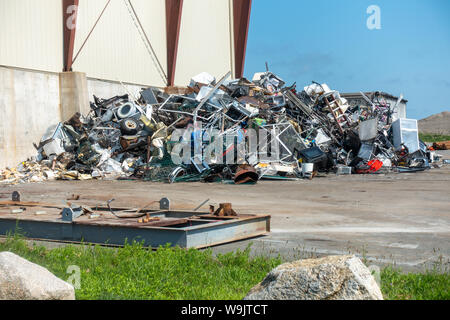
(168, 134)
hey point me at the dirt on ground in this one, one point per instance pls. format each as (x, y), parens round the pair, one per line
(436, 124)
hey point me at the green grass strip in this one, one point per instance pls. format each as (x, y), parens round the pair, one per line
(136, 273)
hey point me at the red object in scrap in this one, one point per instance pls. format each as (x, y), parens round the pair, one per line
(373, 167)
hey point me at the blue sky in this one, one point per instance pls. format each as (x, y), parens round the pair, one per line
(328, 41)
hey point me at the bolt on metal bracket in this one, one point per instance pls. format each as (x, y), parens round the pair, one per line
(164, 204)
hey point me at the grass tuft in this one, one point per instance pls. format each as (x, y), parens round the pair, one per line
(430, 285)
(431, 138)
(136, 273)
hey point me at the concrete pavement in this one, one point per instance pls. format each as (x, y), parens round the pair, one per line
(401, 219)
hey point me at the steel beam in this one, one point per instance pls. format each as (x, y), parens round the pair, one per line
(201, 232)
(70, 11)
(174, 11)
(241, 23)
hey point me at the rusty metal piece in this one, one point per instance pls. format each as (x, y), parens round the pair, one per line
(201, 205)
(135, 215)
(127, 142)
(29, 204)
(252, 101)
(148, 219)
(246, 173)
(165, 224)
(178, 90)
(146, 206)
(74, 197)
(132, 142)
(179, 228)
(197, 87)
(183, 122)
(225, 210)
(445, 145)
(75, 121)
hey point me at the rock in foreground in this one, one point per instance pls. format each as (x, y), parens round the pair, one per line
(23, 280)
(329, 278)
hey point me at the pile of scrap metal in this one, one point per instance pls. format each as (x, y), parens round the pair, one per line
(310, 131)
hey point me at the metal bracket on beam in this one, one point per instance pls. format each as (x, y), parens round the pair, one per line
(72, 213)
(164, 204)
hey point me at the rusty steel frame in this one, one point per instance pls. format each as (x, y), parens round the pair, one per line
(185, 229)
(174, 13)
(241, 19)
(68, 34)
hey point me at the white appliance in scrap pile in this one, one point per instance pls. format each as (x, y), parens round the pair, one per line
(406, 132)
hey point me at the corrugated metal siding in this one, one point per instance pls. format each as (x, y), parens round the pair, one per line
(31, 34)
(31, 37)
(205, 43)
(115, 50)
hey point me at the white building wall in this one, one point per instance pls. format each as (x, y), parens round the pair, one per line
(106, 89)
(205, 39)
(31, 37)
(31, 34)
(115, 50)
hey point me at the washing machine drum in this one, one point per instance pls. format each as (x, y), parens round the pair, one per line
(126, 111)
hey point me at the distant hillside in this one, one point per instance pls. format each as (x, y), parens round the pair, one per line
(436, 124)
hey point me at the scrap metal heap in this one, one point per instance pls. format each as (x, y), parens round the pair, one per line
(310, 131)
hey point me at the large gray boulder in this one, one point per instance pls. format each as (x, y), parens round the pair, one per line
(329, 278)
(23, 280)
